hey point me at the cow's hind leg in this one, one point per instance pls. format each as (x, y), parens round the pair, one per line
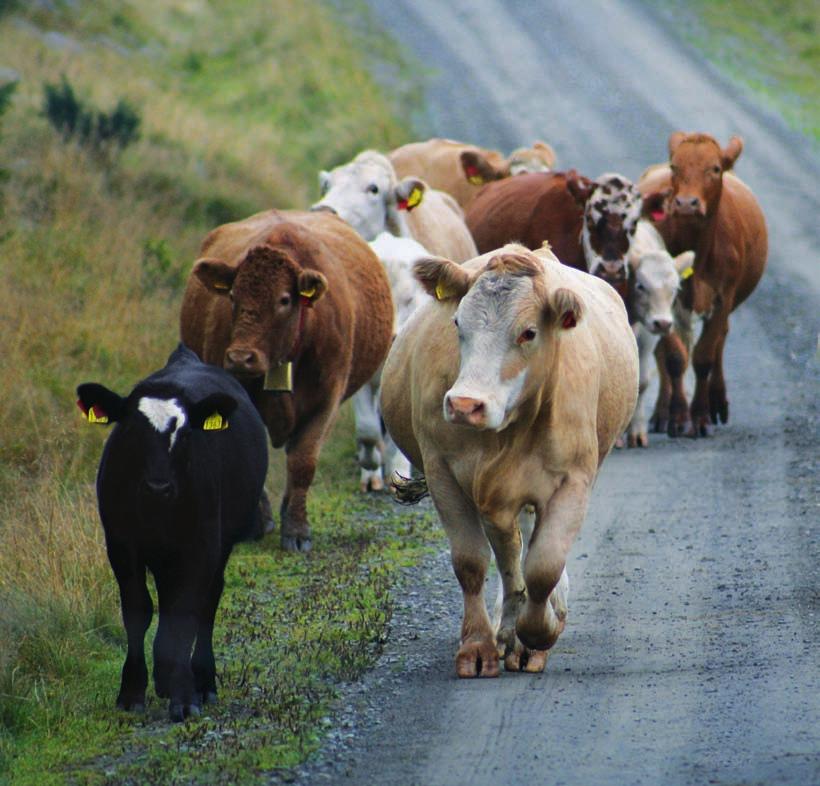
(659, 421)
(137, 610)
(470, 552)
(718, 403)
(703, 361)
(676, 359)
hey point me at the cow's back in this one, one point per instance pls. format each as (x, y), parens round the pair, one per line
(529, 209)
(438, 163)
(438, 224)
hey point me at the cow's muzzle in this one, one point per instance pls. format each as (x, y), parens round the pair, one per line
(244, 362)
(465, 411)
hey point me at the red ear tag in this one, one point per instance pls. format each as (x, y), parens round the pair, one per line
(402, 204)
(658, 215)
(569, 320)
(305, 301)
(471, 171)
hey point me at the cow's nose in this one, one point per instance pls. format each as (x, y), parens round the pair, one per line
(246, 361)
(662, 326)
(160, 488)
(463, 409)
(687, 204)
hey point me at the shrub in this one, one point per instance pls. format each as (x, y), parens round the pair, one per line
(97, 130)
(158, 268)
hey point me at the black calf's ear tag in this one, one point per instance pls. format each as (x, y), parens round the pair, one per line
(215, 422)
(280, 378)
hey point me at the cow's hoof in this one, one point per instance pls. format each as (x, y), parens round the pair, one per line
(208, 697)
(296, 543)
(658, 424)
(638, 440)
(131, 705)
(477, 659)
(701, 426)
(719, 411)
(619, 443)
(524, 659)
(179, 712)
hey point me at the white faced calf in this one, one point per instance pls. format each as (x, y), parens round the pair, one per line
(653, 285)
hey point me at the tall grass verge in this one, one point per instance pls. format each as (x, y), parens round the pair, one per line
(238, 113)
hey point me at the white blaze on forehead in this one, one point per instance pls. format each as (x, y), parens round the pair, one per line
(160, 413)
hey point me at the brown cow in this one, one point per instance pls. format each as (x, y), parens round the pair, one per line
(698, 204)
(461, 169)
(298, 307)
(588, 224)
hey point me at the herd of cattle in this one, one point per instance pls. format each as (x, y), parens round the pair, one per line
(495, 322)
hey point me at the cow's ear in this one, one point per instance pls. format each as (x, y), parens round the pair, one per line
(545, 153)
(409, 193)
(654, 205)
(683, 264)
(215, 275)
(580, 187)
(478, 170)
(731, 153)
(564, 309)
(441, 278)
(324, 182)
(311, 285)
(99, 404)
(213, 412)
(674, 140)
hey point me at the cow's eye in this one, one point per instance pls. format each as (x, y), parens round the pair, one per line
(455, 321)
(526, 336)
(373, 188)
(284, 300)
(715, 170)
(640, 287)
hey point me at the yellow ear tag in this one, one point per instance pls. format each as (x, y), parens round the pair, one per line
(442, 292)
(94, 418)
(686, 273)
(215, 422)
(221, 287)
(280, 378)
(415, 197)
(476, 180)
(308, 293)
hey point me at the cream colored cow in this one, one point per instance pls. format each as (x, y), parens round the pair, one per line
(461, 169)
(508, 393)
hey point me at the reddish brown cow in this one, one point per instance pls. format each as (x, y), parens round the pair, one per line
(298, 307)
(588, 224)
(698, 204)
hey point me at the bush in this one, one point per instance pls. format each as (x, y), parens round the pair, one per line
(158, 268)
(93, 128)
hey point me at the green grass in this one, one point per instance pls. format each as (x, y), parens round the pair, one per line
(771, 46)
(239, 112)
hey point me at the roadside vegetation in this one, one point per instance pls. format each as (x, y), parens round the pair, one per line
(771, 46)
(186, 114)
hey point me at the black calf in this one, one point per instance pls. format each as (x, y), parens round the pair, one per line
(178, 485)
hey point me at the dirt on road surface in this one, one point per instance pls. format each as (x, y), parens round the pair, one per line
(692, 652)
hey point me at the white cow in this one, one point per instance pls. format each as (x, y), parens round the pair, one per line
(377, 453)
(367, 194)
(653, 284)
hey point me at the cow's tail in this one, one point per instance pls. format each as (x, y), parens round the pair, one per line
(409, 491)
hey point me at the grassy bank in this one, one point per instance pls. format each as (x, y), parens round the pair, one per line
(238, 112)
(770, 46)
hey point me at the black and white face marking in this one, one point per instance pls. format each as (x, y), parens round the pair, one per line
(614, 195)
(165, 415)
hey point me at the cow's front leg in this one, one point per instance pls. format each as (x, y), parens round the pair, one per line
(703, 362)
(302, 456)
(718, 403)
(638, 438)
(659, 421)
(137, 610)
(477, 655)
(543, 617)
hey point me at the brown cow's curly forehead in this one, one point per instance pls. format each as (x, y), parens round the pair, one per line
(262, 270)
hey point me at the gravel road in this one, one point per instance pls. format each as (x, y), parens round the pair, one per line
(692, 649)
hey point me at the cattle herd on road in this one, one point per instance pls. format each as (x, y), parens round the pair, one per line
(496, 323)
